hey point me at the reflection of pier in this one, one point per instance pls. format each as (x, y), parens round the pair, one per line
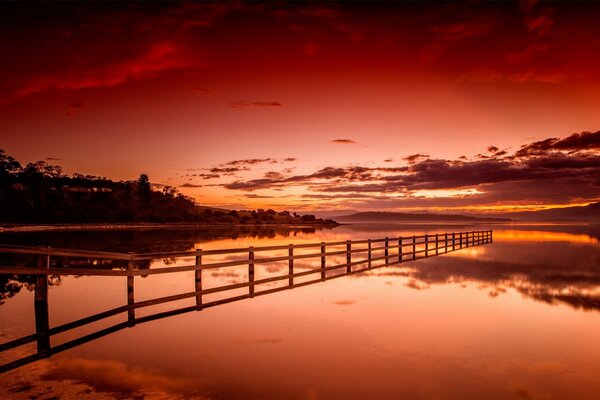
(373, 253)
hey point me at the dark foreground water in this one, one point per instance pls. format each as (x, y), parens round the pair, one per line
(518, 318)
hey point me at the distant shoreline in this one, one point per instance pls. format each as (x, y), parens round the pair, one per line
(142, 225)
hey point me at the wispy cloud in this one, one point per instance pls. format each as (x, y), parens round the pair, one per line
(343, 141)
(255, 104)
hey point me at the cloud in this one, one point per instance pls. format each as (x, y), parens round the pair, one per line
(190, 185)
(257, 196)
(465, 29)
(343, 302)
(575, 142)
(227, 170)
(117, 377)
(551, 171)
(250, 161)
(255, 104)
(156, 59)
(274, 175)
(415, 157)
(289, 159)
(343, 141)
(203, 91)
(53, 159)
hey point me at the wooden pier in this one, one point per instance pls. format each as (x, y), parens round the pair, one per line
(358, 256)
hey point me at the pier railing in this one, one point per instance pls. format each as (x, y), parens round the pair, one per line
(375, 253)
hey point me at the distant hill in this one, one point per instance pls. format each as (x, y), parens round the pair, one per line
(382, 216)
(591, 212)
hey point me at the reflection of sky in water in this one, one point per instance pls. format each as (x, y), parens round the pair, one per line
(473, 323)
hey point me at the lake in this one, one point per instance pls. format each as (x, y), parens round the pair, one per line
(517, 319)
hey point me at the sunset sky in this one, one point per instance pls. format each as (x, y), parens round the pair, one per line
(312, 106)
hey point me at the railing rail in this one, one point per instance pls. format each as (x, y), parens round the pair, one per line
(403, 249)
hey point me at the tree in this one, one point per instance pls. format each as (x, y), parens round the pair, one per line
(144, 190)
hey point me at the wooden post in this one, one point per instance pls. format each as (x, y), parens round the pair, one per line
(198, 279)
(491, 236)
(387, 251)
(348, 256)
(453, 241)
(426, 245)
(40, 305)
(291, 265)
(130, 296)
(460, 240)
(445, 242)
(251, 271)
(323, 261)
(369, 253)
(400, 240)
(437, 244)
(414, 253)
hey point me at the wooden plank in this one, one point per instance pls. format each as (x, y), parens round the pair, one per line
(87, 320)
(198, 278)
(251, 271)
(42, 324)
(386, 251)
(130, 297)
(323, 260)
(400, 250)
(414, 248)
(348, 256)
(445, 242)
(291, 264)
(369, 252)
(18, 342)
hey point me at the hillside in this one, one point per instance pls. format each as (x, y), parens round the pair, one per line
(591, 212)
(39, 193)
(381, 216)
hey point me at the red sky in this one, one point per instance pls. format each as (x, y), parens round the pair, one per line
(308, 106)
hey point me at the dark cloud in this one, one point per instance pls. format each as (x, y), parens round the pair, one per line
(552, 171)
(208, 176)
(190, 185)
(415, 157)
(575, 142)
(274, 175)
(289, 159)
(53, 159)
(343, 141)
(492, 149)
(226, 171)
(253, 104)
(250, 161)
(257, 196)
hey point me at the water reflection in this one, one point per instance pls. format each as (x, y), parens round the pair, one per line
(476, 323)
(335, 260)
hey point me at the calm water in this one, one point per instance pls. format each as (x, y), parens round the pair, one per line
(518, 318)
